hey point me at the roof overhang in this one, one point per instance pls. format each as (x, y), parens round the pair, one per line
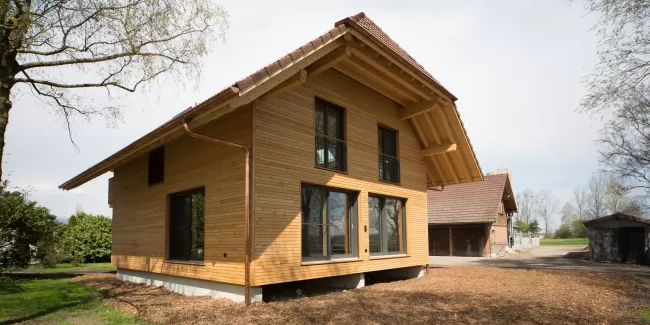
(352, 50)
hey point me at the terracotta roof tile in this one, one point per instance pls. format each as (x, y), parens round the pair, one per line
(467, 203)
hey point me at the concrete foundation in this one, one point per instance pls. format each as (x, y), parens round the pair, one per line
(350, 281)
(190, 287)
(403, 273)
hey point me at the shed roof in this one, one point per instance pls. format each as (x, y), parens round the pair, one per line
(363, 42)
(617, 216)
(471, 203)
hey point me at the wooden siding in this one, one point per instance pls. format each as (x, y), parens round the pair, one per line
(284, 159)
(140, 211)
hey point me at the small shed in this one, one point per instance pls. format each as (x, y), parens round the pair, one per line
(620, 238)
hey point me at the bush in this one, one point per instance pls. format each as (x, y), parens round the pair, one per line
(87, 238)
(564, 231)
(579, 229)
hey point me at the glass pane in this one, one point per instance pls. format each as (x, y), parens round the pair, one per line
(334, 122)
(197, 241)
(391, 231)
(338, 223)
(319, 117)
(334, 152)
(389, 142)
(320, 151)
(314, 234)
(374, 223)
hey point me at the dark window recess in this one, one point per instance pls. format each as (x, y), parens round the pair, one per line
(330, 136)
(186, 239)
(388, 160)
(329, 223)
(387, 223)
(157, 166)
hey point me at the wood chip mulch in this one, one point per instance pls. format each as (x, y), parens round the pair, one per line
(452, 295)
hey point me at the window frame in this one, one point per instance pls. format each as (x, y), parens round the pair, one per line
(343, 164)
(382, 156)
(153, 158)
(403, 227)
(170, 227)
(352, 206)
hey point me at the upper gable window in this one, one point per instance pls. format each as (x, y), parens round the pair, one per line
(388, 155)
(330, 136)
(157, 166)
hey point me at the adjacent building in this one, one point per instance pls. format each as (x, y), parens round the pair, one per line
(315, 166)
(473, 219)
(620, 238)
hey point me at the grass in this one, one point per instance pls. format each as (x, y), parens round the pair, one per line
(645, 314)
(63, 267)
(567, 241)
(55, 300)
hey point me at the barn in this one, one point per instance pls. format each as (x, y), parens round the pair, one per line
(620, 238)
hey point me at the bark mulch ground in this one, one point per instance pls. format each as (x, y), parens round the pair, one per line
(453, 295)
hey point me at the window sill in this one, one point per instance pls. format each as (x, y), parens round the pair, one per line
(390, 182)
(195, 263)
(331, 170)
(338, 260)
(382, 257)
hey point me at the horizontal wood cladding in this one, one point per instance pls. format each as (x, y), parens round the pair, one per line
(284, 159)
(140, 211)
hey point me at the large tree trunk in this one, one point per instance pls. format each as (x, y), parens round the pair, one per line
(5, 106)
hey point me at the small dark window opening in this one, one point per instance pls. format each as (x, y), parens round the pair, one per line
(330, 136)
(186, 226)
(157, 166)
(388, 155)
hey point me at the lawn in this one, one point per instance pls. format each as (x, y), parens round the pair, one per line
(55, 299)
(567, 241)
(65, 267)
(646, 315)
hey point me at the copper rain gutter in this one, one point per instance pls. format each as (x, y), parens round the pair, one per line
(246, 203)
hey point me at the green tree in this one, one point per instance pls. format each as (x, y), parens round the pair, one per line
(23, 224)
(69, 53)
(88, 239)
(564, 231)
(578, 229)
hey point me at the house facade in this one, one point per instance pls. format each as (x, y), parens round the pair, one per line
(339, 141)
(472, 219)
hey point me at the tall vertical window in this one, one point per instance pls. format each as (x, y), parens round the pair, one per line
(329, 223)
(156, 166)
(186, 226)
(387, 222)
(330, 136)
(388, 156)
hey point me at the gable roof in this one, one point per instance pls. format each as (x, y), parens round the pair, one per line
(470, 203)
(617, 216)
(253, 86)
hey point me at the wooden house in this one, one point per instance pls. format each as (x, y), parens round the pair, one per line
(315, 166)
(472, 219)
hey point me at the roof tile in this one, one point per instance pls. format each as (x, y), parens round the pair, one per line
(467, 203)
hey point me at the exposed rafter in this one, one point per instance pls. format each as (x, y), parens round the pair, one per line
(330, 60)
(417, 109)
(452, 137)
(438, 141)
(375, 83)
(425, 144)
(439, 149)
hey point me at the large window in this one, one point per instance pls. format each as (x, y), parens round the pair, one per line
(386, 219)
(330, 136)
(329, 223)
(156, 166)
(388, 156)
(186, 234)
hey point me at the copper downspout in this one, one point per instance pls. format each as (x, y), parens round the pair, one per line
(246, 204)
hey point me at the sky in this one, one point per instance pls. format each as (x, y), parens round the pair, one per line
(516, 67)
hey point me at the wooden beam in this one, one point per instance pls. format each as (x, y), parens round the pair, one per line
(380, 76)
(425, 144)
(433, 129)
(452, 137)
(451, 244)
(330, 60)
(399, 66)
(436, 150)
(408, 112)
(381, 87)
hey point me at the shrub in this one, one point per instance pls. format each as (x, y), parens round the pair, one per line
(564, 231)
(87, 238)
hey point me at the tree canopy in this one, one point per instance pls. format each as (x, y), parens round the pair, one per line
(57, 50)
